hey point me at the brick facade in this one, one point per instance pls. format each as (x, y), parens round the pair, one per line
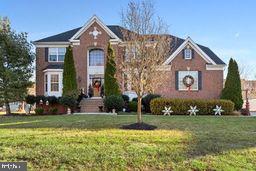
(212, 80)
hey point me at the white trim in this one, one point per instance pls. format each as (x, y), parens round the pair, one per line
(50, 72)
(190, 53)
(51, 44)
(197, 87)
(215, 67)
(88, 24)
(57, 54)
(192, 44)
(53, 70)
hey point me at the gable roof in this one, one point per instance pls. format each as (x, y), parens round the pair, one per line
(177, 42)
(118, 31)
(65, 36)
(93, 19)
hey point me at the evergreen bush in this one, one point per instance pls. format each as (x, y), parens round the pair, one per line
(69, 75)
(232, 90)
(113, 102)
(111, 86)
(146, 101)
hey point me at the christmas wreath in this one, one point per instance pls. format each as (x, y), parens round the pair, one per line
(188, 80)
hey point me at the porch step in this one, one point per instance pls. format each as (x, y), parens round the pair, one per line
(90, 105)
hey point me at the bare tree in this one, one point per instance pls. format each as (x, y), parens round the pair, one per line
(147, 46)
(245, 71)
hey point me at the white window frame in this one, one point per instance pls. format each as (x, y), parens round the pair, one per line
(57, 53)
(192, 73)
(188, 52)
(49, 73)
(103, 62)
(56, 82)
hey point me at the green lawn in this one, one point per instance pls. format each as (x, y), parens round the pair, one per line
(82, 142)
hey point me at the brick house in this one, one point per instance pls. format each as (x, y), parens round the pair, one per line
(188, 63)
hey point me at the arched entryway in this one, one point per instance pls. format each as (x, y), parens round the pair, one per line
(95, 74)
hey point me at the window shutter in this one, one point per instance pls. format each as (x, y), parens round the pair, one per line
(193, 53)
(46, 54)
(199, 80)
(183, 52)
(176, 80)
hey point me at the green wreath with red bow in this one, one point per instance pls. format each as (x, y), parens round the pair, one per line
(188, 80)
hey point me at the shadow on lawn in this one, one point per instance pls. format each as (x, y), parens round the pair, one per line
(209, 135)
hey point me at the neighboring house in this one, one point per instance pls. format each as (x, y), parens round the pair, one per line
(89, 45)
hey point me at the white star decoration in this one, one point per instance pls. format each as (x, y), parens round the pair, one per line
(218, 110)
(167, 110)
(193, 110)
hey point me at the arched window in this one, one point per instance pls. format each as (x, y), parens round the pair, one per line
(96, 57)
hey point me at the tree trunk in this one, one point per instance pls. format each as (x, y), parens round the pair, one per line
(7, 108)
(139, 118)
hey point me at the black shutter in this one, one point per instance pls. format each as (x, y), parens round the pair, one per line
(199, 80)
(176, 80)
(46, 54)
(183, 53)
(193, 53)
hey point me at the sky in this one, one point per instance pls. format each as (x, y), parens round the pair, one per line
(227, 27)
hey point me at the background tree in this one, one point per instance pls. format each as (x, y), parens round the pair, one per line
(69, 75)
(111, 86)
(16, 68)
(232, 90)
(147, 46)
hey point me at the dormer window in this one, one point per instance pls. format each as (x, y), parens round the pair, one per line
(188, 53)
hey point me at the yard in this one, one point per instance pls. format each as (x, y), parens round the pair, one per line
(81, 142)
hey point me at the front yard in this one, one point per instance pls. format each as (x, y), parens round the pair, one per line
(81, 142)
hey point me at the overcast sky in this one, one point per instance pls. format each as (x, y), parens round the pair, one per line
(227, 27)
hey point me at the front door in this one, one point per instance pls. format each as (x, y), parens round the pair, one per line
(95, 85)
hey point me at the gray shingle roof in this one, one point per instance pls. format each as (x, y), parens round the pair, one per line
(117, 30)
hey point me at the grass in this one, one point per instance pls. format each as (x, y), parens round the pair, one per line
(95, 142)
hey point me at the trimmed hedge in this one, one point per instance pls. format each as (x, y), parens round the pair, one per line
(181, 106)
(133, 106)
(146, 101)
(113, 102)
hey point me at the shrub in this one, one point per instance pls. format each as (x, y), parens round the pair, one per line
(135, 99)
(53, 111)
(38, 98)
(68, 101)
(110, 81)
(30, 99)
(146, 101)
(125, 98)
(39, 111)
(52, 100)
(114, 102)
(69, 74)
(181, 106)
(232, 90)
(133, 106)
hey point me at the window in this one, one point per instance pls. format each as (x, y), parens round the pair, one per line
(188, 53)
(54, 82)
(188, 77)
(96, 57)
(56, 54)
(46, 83)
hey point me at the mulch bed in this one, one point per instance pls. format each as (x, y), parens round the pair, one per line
(139, 126)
